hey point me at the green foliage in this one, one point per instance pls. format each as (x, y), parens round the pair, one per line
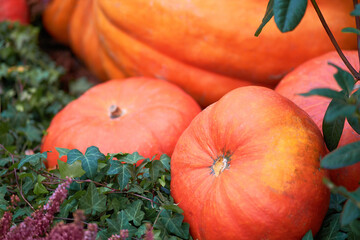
(287, 14)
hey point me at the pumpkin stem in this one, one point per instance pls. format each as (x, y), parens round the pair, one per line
(220, 165)
(115, 111)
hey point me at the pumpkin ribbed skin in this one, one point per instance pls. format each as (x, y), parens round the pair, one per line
(317, 73)
(207, 47)
(154, 114)
(272, 187)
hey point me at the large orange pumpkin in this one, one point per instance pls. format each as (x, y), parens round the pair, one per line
(207, 47)
(139, 114)
(317, 73)
(247, 167)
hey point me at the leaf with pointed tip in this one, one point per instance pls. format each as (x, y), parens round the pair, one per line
(62, 151)
(308, 236)
(134, 212)
(288, 13)
(93, 202)
(324, 92)
(132, 158)
(344, 79)
(119, 222)
(351, 30)
(33, 159)
(354, 122)
(350, 213)
(155, 168)
(73, 170)
(124, 175)
(342, 157)
(174, 223)
(269, 13)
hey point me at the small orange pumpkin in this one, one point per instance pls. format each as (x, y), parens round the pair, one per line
(247, 167)
(138, 114)
(317, 73)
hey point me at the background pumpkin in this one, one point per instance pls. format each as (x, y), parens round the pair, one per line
(247, 167)
(207, 47)
(14, 10)
(151, 116)
(317, 73)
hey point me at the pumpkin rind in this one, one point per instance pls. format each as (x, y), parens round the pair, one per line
(154, 114)
(317, 73)
(207, 47)
(272, 187)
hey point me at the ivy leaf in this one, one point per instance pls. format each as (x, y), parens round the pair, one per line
(134, 212)
(336, 202)
(174, 224)
(165, 160)
(325, 92)
(332, 129)
(39, 188)
(89, 161)
(62, 151)
(342, 157)
(269, 13)
(70, 170)
(92, 202)
(344, 79)
(308, 236)
(350, 213)
(331, 228)
(173, 207)
(131, 158)
(119, 222)
(32, 159)
(288, 13)
(124, 175)
(155, 168)
(115, 167)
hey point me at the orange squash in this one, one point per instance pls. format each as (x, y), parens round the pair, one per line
(138, 114)
(14, 10)
(247, 167)
(317, 73)
(207, 47)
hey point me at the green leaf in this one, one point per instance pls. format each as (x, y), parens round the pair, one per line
(62, 151)
(351, 30)
(325, 92)
(336, 202)
(165, 160)
(32, 159)
(173, 207)
(342, 157)
(115, 167)
(155, 168)
(70, 170)
(134, 212)
(339, 108)
(288, 13)
(344, 79)
(332, 130)
(269, 13)
(308, 236)
(350, 213)
(89, 161)
(124, 175)
(356, 11)
(93, 202)
(40, 189)
(331, 229)
(354, 122)
(131, 158)
(174, 224)
(119, 222)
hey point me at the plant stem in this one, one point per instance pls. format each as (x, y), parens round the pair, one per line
(357, 21)
(334, 42)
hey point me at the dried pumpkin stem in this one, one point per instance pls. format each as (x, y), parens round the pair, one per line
(115, 111)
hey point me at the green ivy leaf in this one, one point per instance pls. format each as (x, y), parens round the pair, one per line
(308, 236)
(344, 79)
(154, 170)
(89, 161)
(134, 212)
(32, 159)
(269, 13)
(331, 228)
(174, 224)
(62, 151)
(40, 189)
(288, 13)
(132, 158)
(336, 202)
(350, 213)
(124, 175)
(73, 170)
(119, 222)
(342, 157)
(332, 130)
(93, 202)
(165, 160)
(173, 207)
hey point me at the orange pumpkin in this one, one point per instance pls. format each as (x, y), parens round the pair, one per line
(247, 167)
(139, 114)
(317, 73)
(207, 47)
